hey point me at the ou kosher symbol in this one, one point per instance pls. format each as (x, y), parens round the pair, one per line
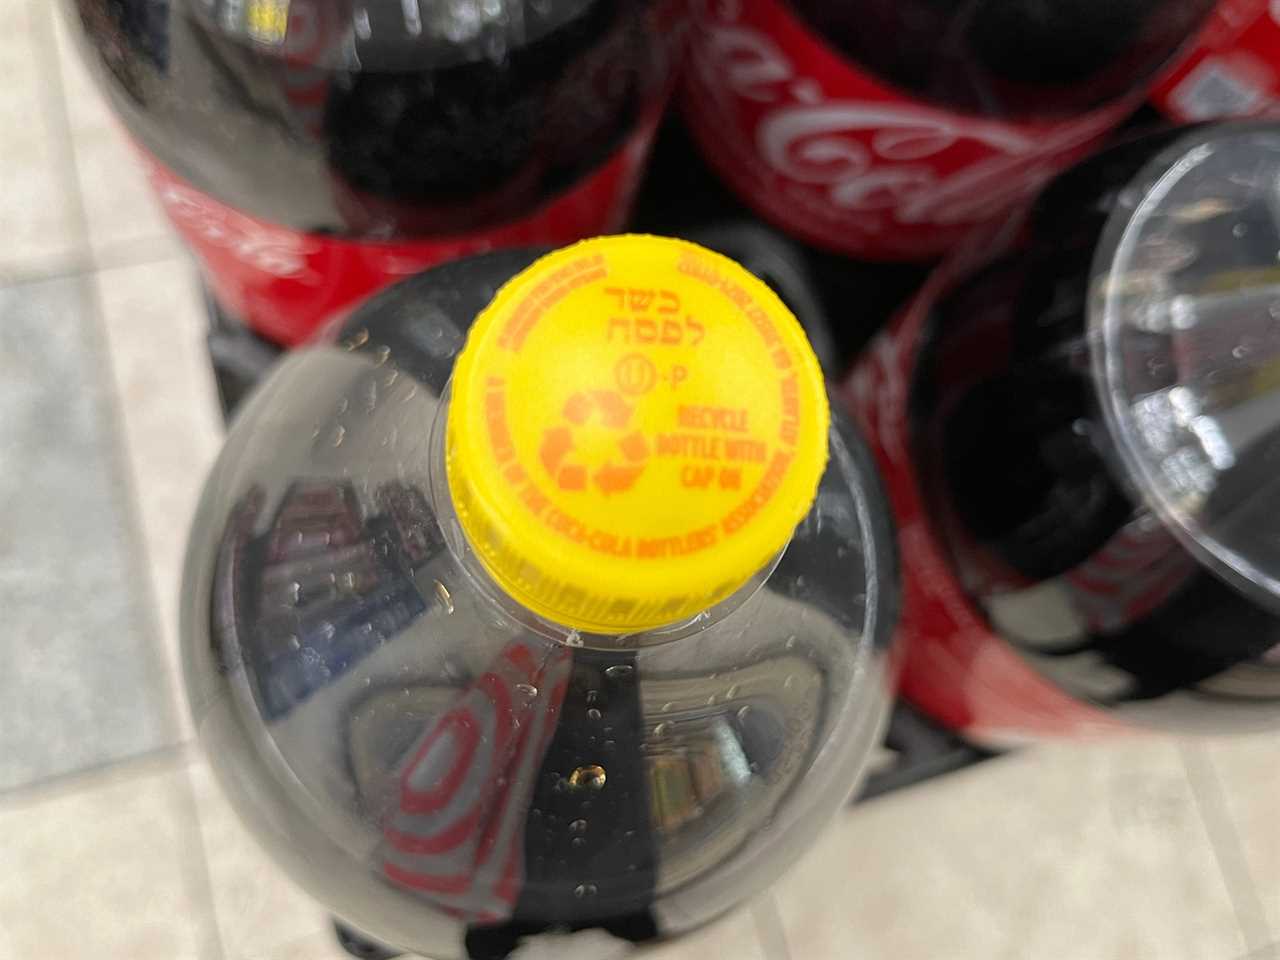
(635, 374)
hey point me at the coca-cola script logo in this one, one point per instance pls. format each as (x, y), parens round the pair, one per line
(276, 252)
(863, 147)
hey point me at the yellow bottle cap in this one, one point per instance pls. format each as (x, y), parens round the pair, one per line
(637, 424)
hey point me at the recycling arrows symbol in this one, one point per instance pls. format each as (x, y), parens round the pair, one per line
(558, 444)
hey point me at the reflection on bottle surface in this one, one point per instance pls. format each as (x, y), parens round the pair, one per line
(327, 115)
(445, 770)
(1094, 422)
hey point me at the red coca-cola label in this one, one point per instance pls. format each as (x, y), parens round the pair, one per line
(1231, 70)
(846, 162)
(285, 284)
(953, 665)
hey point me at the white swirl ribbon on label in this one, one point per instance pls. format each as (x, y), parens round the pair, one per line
(867, 156)
(277, 252)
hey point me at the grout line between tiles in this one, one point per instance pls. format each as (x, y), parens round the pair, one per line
(769, 929)
(74, 781)
(1206, 788)
(81, 269)
(58, 123)
(201, 874)
(56, 268)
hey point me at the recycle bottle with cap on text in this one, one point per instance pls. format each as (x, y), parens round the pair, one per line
(312, 152)
(547, 596)
(886, 129)
(1078, 425)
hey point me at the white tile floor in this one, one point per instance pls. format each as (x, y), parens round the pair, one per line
(1149, 849)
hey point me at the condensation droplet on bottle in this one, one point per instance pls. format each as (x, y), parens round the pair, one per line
(1239, 230)
(711, 700)
(337, 435)
(442, 594)
(578, 826)
(573, 639)
(743, 712)
(357, 340)
(731, 692)
(619, 671)
(593, 696)
(527, 690)
(659, 729)
(791, 642)
(593, 714)
(583, 890)
(666, 707)
(382, 355)
(578, 842)
(588, 777)
(1240, 351)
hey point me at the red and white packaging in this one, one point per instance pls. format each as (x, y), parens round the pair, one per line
(951, 663)
(1231, 70)
(837, 158)
(285, 284)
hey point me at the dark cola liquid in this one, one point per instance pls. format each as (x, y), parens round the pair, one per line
(1010, 58)
(1025, 489)
(379, 118)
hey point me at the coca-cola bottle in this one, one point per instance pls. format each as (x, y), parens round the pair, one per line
(885, 129)
(543, 607)
(1230, 70)
(313, 151)
(1078, 421)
